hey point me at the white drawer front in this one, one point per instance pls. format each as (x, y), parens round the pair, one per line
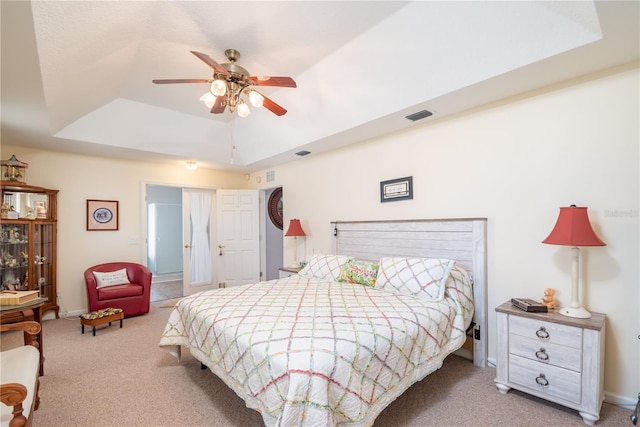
(284, 274)
(546, 332)
(562, 383)
(546, 352)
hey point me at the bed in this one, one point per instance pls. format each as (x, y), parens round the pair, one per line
(330, 347)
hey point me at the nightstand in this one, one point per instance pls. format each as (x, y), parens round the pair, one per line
(288, 271)
(554, 357)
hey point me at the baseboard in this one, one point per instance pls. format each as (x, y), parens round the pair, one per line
(622, 401)
(50, 315)
(169, 277)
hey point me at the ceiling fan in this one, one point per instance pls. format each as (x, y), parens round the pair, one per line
(230, 81)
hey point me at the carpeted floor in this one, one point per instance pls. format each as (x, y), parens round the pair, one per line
(121, 377)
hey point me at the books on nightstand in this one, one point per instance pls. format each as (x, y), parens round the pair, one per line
(529, 305)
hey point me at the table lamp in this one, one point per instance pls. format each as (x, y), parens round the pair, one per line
(295, 230)
(574, 229)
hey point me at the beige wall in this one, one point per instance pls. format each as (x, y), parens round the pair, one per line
(514, 163)
(80, 178)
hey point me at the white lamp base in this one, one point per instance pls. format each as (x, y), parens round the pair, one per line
(579, 312)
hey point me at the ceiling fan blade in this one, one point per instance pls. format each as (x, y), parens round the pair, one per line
(169, 81)
(273, 81)
(273, 107)
(219, 105)
(210, 62)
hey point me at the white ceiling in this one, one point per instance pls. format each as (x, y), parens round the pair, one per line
(76, 76)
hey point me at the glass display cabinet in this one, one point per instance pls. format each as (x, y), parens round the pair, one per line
(28, 241)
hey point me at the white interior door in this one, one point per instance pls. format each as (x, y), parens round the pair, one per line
(198, 234)
(238, 249)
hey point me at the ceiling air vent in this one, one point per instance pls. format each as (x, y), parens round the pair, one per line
(419, 115)
(303, 153)
(271, 176)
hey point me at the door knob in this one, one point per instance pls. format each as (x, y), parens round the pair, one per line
(220, 246)
(187, 246)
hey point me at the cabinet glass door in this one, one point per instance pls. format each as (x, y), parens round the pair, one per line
(43, 261)
(14, 257)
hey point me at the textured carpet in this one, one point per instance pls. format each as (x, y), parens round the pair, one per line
(121, 377)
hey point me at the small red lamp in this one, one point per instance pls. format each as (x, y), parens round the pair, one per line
(295, 230)
(574, 229)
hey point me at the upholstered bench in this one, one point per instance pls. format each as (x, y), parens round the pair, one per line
(100, 317)
(20, 368)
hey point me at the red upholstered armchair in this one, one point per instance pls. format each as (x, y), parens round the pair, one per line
(132, 297)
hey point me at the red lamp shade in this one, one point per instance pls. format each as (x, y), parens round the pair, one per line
(295, 229)
(573, 229)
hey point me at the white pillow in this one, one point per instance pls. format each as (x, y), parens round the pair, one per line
(420, 277)
(111, 278)
(326, 267)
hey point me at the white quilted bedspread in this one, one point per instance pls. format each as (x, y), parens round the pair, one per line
(308, 352)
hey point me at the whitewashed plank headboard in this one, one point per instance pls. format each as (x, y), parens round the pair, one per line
(461, 239)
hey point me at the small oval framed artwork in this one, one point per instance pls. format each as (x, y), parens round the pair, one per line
(274, 207)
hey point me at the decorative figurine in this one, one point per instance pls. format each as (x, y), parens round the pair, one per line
(14, 170)
(5, 210)
(30, 213)
(548, 299)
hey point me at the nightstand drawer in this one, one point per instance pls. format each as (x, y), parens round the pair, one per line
(546, 332)
(546, 352)
(560, 383)
(284, 272)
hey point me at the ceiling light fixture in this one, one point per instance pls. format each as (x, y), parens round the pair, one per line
(231, 84)
(228, 90)
(218, 87)
(191, 166)
(243, 109)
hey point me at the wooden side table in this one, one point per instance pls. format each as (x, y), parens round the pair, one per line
(554, 357)
(29, 311)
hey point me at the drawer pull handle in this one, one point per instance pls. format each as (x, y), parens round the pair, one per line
(542, 354)
(542, 333)
(542, 380)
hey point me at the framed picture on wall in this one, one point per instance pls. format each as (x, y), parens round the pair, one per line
(396, 189)
(102, 215)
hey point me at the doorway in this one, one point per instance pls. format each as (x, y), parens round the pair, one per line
(164, 249)
(164, 240)
(271, 223)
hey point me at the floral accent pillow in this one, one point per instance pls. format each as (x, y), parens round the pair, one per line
(420, 277)
(324, 266)
(361, 272)
(111, 278)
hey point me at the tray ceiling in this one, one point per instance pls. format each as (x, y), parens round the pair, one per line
(76, 76)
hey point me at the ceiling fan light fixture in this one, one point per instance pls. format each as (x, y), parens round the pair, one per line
(209, 99)
(256, 99)
(243, 109)
(231, 81)
(218, 87)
